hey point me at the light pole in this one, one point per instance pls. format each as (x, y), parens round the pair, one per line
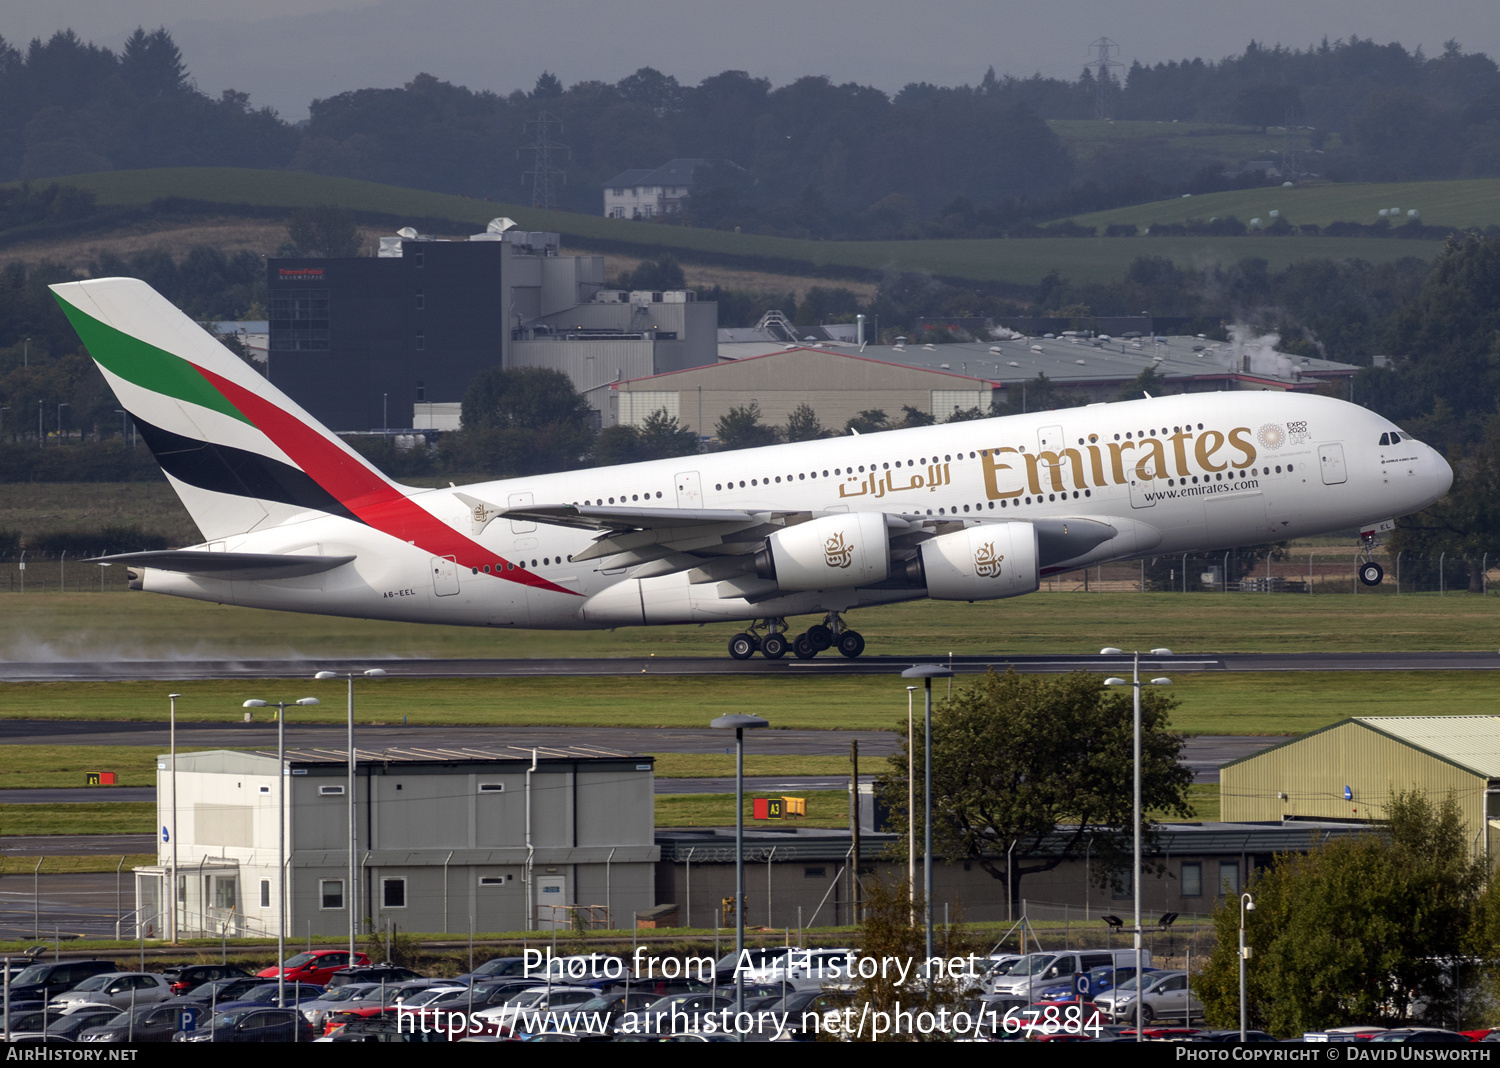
(1135, 872)
(927, 672)
(172, 771)
(281, 707)
(350, 898)
(1247, 904)
(911, 825)
(739, 723)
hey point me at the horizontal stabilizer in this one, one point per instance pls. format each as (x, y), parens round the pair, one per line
(231, 566)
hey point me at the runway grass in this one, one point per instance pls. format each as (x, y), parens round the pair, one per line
(1211, 702)
(76, 865)
(104, 817)
(134, 626)
(827, 808)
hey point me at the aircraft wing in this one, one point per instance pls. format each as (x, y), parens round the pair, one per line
(232, 566)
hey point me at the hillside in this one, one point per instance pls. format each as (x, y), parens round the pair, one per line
(1474, 202)
(223, 191)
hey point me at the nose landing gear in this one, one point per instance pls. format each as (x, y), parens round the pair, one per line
(1370, 573)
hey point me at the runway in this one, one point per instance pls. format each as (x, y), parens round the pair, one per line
(827, 664)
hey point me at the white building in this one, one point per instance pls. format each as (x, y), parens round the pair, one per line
(645, 194)
(508, 837)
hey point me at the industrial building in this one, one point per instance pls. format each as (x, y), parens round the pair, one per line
(800, 875)
(1348, 771)
(839, 380)
(361, 342)
(500, 838)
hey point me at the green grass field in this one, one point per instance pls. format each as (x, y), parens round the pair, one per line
(1472, 202)
(120, 625)
(1194, 144)
(103, 817)
(1211, 702)
(1017, 261)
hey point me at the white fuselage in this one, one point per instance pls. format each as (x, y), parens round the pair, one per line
(1187, 473)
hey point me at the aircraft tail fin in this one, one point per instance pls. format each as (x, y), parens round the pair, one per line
(240, 453)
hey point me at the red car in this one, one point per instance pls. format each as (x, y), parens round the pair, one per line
(316, 966)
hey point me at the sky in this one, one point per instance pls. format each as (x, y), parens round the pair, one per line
(286, 53)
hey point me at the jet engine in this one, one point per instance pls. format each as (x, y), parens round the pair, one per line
(979, 563)
(831, 553)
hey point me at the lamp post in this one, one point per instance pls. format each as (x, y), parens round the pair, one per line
(1247, 904)
(1135, 873)
(927, 672)
(350, 897)
(172, 772)
(911, 826)
(739, 723)
(281, 707)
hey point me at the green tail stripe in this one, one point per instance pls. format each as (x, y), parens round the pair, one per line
(146, 365)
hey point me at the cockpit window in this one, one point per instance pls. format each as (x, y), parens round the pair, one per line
(1393, 438)
(1385, 439)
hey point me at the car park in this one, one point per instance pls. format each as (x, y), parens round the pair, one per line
(373, 973)
(217, 992)
(1422, 1036)
(1036, 972)
(290, 995)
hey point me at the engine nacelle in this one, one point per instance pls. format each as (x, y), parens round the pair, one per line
(833, 553)
(981, 563)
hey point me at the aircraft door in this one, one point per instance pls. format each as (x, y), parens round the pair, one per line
(1049, 438)
(521, 500)
(689, 490)
(1331, 460)
(1141, 494)
(444, 575)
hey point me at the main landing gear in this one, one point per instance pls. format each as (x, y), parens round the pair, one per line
(829, 634)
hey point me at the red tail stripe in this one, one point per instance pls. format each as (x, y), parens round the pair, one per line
(364, 492)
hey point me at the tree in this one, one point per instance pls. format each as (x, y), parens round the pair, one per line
(1037, 769)
(1355, 929)
(524, 420)
(325, 230)
(869, 421)
(741, 428)
(663, 436)
(802, 424)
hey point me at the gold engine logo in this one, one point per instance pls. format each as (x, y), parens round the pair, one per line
(987, 561)
(837, 552)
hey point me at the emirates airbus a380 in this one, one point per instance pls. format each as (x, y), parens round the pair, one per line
(294, 519)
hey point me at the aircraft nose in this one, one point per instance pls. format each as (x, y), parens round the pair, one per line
(1442, 474)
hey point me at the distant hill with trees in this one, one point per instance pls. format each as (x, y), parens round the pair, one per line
(808, 159)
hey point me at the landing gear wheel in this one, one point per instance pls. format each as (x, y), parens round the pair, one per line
(805, 647)
(743, 646)
(773, 646)
(820, 636)
(851, 643)
(1370, 573)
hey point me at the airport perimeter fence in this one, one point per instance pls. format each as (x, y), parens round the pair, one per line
(1304, 572)
(1297, 571)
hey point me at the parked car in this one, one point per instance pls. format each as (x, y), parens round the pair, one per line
(123, 990)
(218, 992)
(1422, 1036)
(154, 1023)
(1036, 972)
(1163, 996)
(315, 966)
(1091, 983)
(184, 977)
(267, 993)
(66, 1027)
(374, 973)
(254, 1024)
(43, 982)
